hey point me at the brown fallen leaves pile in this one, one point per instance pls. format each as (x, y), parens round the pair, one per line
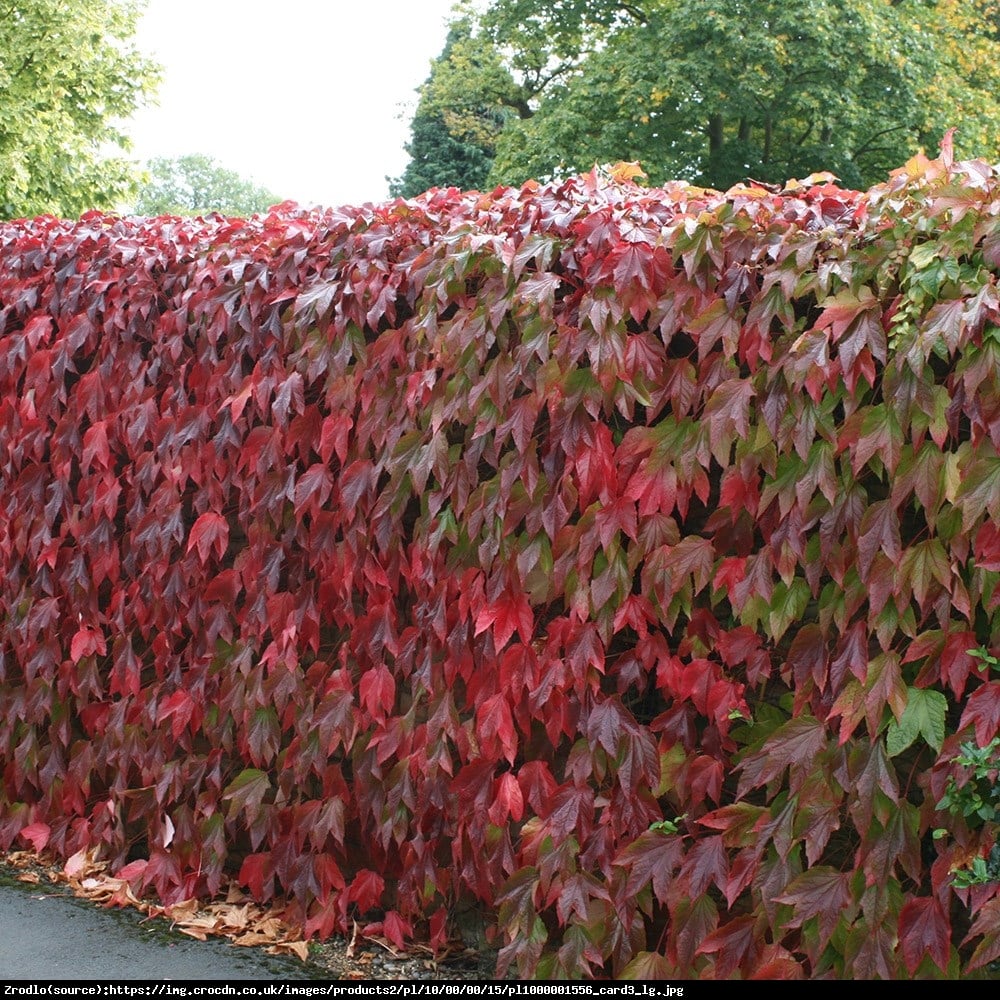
(245, 923)
(236, 917)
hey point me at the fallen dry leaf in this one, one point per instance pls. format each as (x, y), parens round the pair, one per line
(83, 862)
(299, 948)
(252, 938)
(234, 894)
(182, 911)
(233, 919)
(194, 932)
(272, 927)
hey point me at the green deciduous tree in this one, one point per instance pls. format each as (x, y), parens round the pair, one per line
(715, 91)
(452, 139)
(196, 185)
(69, 76)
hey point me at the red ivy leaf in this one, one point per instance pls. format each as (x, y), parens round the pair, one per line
(776, 962)
(223, 588)
(378, 691)
(86, 642)
(507, 800)
(210, 530)
(536, 783)
(133, 870)
(987, 546)
(313, 488)
(987, 924)
(795, 745)
(731, 944)
(617, 516)
(727, 414)
(651, 859)
(979, 491)
(821, 892)
(880, 435)
(95, 445)
(37, 834)
(605, 724)
(879, 532)
(982, 710)
(924, 929)
(334, 437)
(257, 874)
(397, 929)
(508, 613)
(956, 662)
(179, 708)
(706, 862)
(366, 890)
(494, 721)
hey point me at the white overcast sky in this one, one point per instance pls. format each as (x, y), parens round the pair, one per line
(302, 96)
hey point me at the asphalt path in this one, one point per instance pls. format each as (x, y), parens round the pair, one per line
(45, 934)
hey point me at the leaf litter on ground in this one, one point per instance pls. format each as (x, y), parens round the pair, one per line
(246, 924)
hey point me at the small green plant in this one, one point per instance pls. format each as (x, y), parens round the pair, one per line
(986, 660)
(977, 799)
(668, 825)
(982, 871)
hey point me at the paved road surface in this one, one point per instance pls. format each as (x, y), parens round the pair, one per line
(45, 935)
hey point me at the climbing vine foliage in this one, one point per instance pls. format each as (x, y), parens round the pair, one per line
(620, 561)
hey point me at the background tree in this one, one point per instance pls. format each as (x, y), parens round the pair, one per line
(452, 142)
(715, 91)
(196, 185)
(69, 75)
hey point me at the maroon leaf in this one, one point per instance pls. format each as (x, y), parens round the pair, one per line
(794, 745)
(987, 925)
(879, 532)
(821, 892)
(924, 930)
(731, 945)
(494, 721)
(982, 710)
(652, 859)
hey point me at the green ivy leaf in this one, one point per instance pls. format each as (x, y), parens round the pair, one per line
(787, 606)
(923, 716)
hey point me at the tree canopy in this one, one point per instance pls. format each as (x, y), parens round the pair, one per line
(438, 156)
(196, 185)
(716, 91)
(69, 76)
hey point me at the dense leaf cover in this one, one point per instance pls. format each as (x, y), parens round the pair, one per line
(608, 556)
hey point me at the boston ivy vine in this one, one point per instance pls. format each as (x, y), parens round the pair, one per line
(622, 560)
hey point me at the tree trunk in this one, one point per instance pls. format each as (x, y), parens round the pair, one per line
(716, 138)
